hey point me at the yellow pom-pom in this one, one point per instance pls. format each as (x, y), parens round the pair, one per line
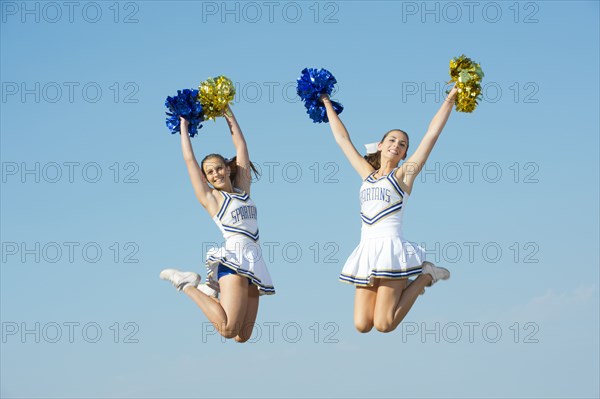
(215, 94)
(467, 75)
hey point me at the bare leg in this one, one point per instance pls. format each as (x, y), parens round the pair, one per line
(364, 307)
(228, 314)
(251, 311)
(395, 299)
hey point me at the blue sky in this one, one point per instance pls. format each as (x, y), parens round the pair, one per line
(95, 198)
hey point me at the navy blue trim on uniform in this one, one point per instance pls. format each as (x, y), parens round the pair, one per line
(382, 214)
(370, 178)
(240, 197)
(391, 177)
(224, 205)
(380, 274)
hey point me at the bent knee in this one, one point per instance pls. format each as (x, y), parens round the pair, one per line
(241, 339)
(363, 326)
(229, 332)
(384, 325)
(245, 334)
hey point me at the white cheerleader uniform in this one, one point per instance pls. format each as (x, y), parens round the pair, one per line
(241, 251)
(382, 252)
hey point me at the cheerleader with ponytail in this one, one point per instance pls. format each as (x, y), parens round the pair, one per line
(237, 274)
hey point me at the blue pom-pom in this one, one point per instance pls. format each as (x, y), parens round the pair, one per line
(314, 82)
(311, 84)
(186, 105)
(317, 112)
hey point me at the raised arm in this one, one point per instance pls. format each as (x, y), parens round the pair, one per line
(413, 165)
(201, 189)
(342, 138)
(243, 178)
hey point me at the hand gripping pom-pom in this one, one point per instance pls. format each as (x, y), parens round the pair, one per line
(318, 113)
(216, 94)
(311, 84)
(185, 104)
(467, 75)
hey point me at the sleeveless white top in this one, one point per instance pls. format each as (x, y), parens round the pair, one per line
(241, 252)
(381, 206)
(237, 216)
(382, 252)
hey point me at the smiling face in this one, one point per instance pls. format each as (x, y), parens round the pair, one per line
(393, 146)
(217, 173)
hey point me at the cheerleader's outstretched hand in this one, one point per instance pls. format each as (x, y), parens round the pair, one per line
(452, 94)
(184, 122)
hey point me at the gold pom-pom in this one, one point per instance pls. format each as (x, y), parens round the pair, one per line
(467, 75)
(215, 94)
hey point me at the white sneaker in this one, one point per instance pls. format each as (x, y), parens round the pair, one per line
(180, 279)
(436, 273)
(207, 290)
